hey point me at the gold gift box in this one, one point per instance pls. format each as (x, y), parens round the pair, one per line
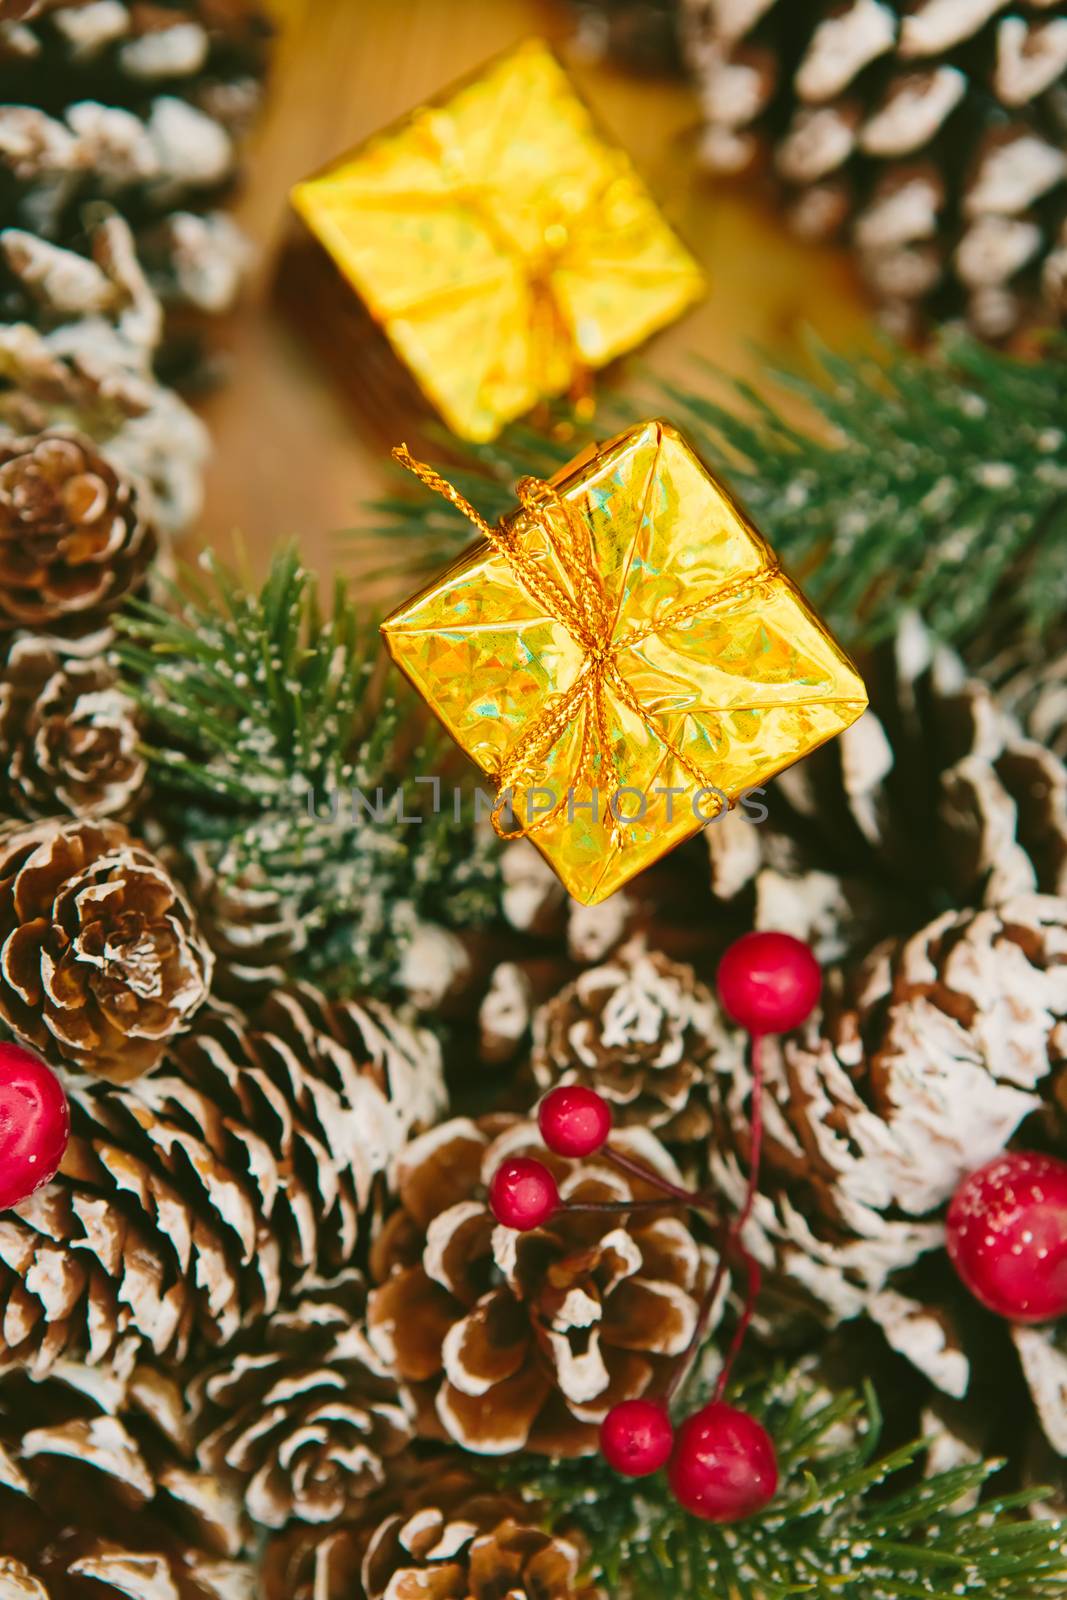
(501, 243)
(719, 676)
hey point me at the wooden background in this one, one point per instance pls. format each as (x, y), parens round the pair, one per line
(291, 456)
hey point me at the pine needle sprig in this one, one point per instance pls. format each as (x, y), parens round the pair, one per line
(934, 482)
(849, 1522)
(279, 758)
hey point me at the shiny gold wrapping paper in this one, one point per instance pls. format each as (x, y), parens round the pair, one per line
(501, 243)
(734, 694)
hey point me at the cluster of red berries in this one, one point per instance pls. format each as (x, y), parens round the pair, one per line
(721, 1462)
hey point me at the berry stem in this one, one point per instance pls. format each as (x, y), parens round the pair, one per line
(737, 1231)
(618, 1207)
(637, 1169)
(731, 1241)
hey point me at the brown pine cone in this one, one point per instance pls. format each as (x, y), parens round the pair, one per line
(73, 543)
(101, 963)
(68, 735)
(922, 1072)
(524, 1341)
(445, 1536)
(99, 1493)
(302, 1413)
(645, 1033)
(932, 130)
(190, 1201)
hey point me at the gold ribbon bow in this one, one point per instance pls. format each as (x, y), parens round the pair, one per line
(590, 621)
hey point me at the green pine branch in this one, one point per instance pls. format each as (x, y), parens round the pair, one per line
(934, 482)
(265, 716)
(848, 1523)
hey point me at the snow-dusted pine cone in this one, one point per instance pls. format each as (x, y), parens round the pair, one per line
(99, 1493)
(933, 129)
(190, 1201)
(302, 1412)
(934, 799)
(448, 1536)
(921, 1071)
(73, 540)
(142, 106)
(69, 735)
(101, 962)
(93, 370)
(524, 1341)
(645, 1033)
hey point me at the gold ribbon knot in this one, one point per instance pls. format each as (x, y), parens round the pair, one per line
(590, 622)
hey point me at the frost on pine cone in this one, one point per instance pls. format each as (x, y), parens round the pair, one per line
(645, 1033)
(444, 1535)
(524, 1341)
(302, 1413)
(934, 130)
(100, 1494)
(102, 962)
(69, 735)
(189, 1201)
(139, 105)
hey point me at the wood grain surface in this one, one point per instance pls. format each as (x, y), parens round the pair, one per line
(293, 458)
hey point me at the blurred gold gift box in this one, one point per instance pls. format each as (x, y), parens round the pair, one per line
(502, 244)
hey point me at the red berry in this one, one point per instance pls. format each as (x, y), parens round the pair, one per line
(34, 1124)
(724, 1467)
(574, 1121)
(1007, 1236)
(523, 1193)
(636, 1437)
(769, 982)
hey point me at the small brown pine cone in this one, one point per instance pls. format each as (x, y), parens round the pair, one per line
(68, 735)
(249, 923)
(303, 1413)
(73, 543)
(191, 1201)
(478, 1548)
(101, 963)
(444, 1536)
(516, 1341)
(645, 1033)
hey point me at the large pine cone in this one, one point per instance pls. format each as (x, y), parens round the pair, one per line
(933, 799)
(303, 1412)
(68, 735)
(448, 1537)
(101, 963)
(645, 1033)
(934, 130)
(99, 1494)
(146, 106)
(920, 1074)
(524, 1341)
(188, 1202)
(94, 371)
(73, 543)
